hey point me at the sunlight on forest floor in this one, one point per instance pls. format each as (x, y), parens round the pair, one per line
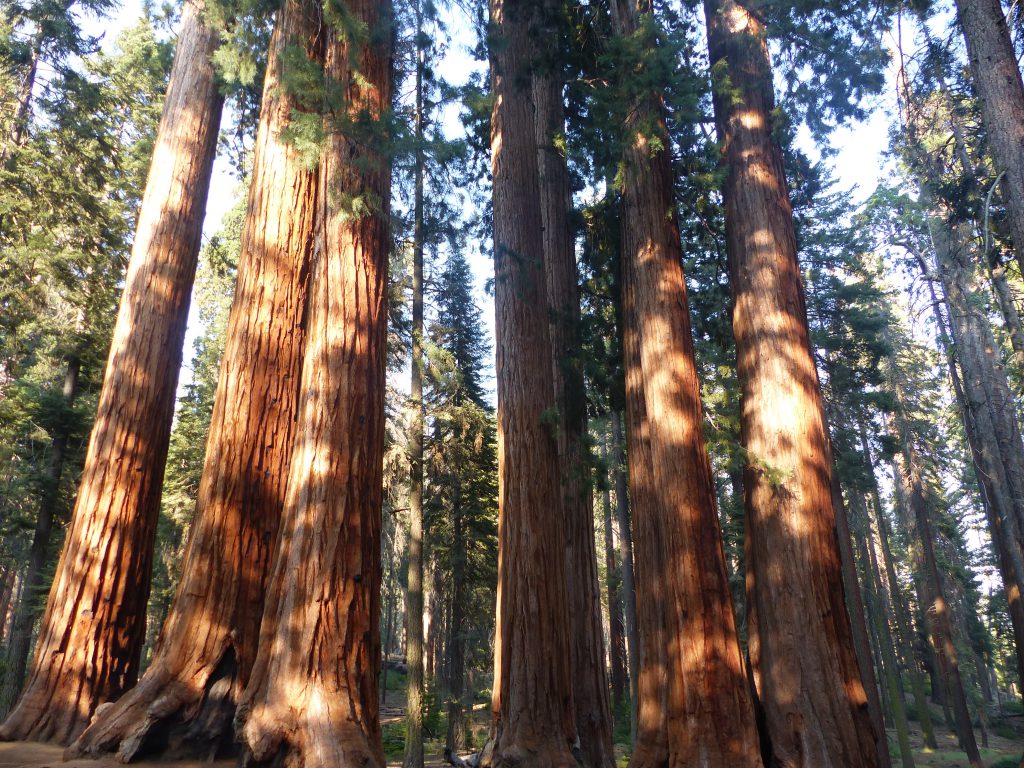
(1002, 752)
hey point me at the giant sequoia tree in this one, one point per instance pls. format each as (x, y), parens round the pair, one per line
(312, 696)
(207, 648)
(534, 718)
(694, 705)
(92, 631)
(814, 702)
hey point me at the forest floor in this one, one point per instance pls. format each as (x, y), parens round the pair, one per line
(1005, 743)
(1004, 749)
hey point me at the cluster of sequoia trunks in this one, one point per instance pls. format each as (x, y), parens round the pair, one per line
(272, 640)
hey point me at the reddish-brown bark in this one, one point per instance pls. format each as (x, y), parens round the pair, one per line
(185, 702)
(586, 636)
(532, 701)
(694, 704)
(312, 697)
(808, 682)
(93, 627)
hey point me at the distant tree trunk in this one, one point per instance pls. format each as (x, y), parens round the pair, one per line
(997, 496)
(456, 736)
(628, 572)
(809, 683)
(616, 628)
(904, 626)
(414, 591)
(997, 79)
(312, 696)
(532, 700)
(989, 411)
(586, 638)
(886, 660)
(880, 614)
(186, 699)
(8, 580)
(94, 625)
(936, 610)
(27, 609)
(695, 706)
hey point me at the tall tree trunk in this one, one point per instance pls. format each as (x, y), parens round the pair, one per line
(94, 625)
(904, 628)
(997, 79)
(186, 699)
(936, 610)
(616, 627)
(532, 701)
(414, 589)
(989, 412)
(456, 737)
(628, 571)
(695, 706)
(27, 610)
(586, 637)
(809, 684)
(997, 496)
(880, 614)
(312, 698)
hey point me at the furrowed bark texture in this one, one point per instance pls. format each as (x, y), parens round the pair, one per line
(997, 79)
(312, 697)
(586, 636)
(808, 681)
(94, 624)
(185, 702)
(534, 715)
(695, 706)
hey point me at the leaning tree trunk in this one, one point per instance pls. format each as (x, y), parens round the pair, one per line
(94, 625)
(27, 610)
(809, 683)
(997, 79)
(695, 706)
(312, 697)
(586, 636)
(533, 709)
(185, 702)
